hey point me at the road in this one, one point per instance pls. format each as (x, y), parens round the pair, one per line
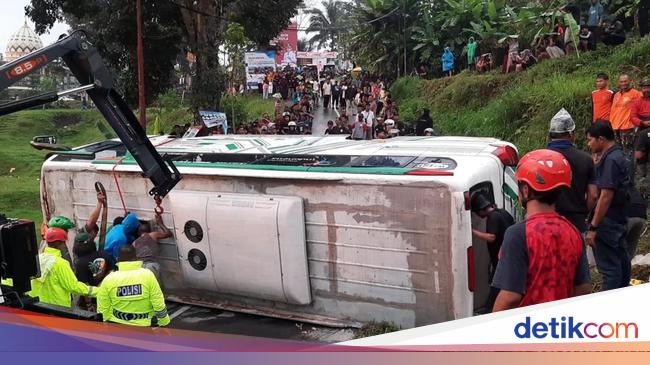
(321, 116)
(202, 319)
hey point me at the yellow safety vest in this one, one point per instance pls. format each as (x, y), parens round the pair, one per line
(132, 296)
(57, 281)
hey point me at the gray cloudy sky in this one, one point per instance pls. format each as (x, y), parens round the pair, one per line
(12, 17)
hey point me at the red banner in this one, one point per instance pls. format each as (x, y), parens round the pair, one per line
(287, 45)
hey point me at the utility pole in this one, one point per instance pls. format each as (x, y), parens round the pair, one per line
(142, 101)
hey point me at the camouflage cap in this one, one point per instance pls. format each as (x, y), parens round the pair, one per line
(562, 122)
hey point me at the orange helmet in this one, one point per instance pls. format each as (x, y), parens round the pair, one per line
(56, 235)
(544, 170)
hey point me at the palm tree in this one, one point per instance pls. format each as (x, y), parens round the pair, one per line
(328, 23)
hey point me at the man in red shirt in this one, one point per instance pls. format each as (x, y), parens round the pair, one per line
(542, 258)
(640, 117)
(601, 98)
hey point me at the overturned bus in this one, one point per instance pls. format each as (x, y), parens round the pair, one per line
(314, 229)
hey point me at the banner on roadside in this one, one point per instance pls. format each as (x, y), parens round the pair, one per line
(214, 119)
(258, 65)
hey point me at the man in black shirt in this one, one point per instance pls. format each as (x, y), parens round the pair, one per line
(573, 204)
(608, 226)
(637, 215)
(498, 221)
(86, 253)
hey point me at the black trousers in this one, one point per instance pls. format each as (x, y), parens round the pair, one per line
(326, 101)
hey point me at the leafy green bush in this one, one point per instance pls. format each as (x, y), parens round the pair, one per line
(411, 109)
(517, 107)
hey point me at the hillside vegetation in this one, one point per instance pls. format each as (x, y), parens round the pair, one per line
(518, 107)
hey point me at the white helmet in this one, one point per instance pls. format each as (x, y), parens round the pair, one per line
(389, 122)
(428, 130)
(292, 124)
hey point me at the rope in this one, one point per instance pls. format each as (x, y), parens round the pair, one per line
(159, 209)
(117, 183)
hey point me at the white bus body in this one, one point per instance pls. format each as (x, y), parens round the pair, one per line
(315, 229)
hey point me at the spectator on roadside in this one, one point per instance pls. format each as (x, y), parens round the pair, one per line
(448, 62)
(359, 128)
(543, 258)
(594, 22)
(585, 39)
(147, 244)
(575, 203)
(637, 215)
(620, 114)
(601, 99)
(553, 50)
(379, 128)
(265, 90)
(608, 226)
(496, 224)
(423, 122)
(330, 127)
(341, 125)
(640, 118)
(614, 34)
(571, 32)
(327, 93)
(368, 115)
(336, 94)
(472, 52)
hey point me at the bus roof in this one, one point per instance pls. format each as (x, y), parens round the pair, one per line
(334, 145)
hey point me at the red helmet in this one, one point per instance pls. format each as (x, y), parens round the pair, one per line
(56, 235)
(544, 170)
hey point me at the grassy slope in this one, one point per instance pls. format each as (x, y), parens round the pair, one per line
(518, 107)
(19, 190)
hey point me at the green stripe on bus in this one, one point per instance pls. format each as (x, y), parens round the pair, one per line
(343, 170)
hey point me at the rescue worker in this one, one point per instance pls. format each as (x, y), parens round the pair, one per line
(122, 234)
(146, 246)
(496, 224)
(57, 281)
(543, 258)
(132, 294)
(574, 204)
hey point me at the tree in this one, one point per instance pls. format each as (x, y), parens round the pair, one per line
(201, 24)
(236, 45)
(328, 24)
(115, 37)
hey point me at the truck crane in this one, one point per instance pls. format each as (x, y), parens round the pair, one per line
(18, 245)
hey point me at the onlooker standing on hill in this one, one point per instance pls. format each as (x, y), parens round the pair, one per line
(621, 110)
(594, 21)
(608, 226)
(601, 98)
(573, 204)
(448, 62)
(640, 117)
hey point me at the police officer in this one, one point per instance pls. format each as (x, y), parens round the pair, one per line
(57, 281)
(132, 294)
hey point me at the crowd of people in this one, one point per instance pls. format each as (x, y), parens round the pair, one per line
(569, 194)
(363, 104)
(570, 35)
(118, 280)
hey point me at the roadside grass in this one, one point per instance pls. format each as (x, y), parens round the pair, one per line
(517, 107)
(375, 329)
